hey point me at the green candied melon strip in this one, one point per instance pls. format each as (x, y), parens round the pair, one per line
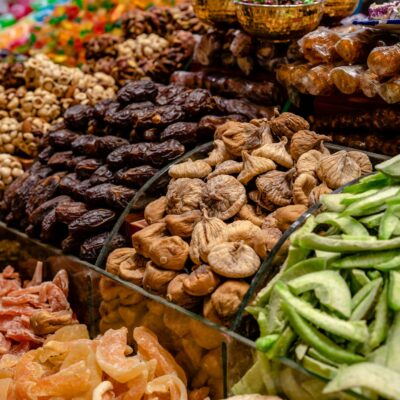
(348, 225)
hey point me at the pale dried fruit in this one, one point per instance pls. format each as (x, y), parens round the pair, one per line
(305, 140)
(276, 187)
(265, 241)
(265, 130)
(253, 166)
(155, 210)
(338, 169)
(276, 152)
(308, 162)
(285, 216)
(183, 225)
(362, 160)
(176, 293)
(219, 154)
(132, 268)
(319, 191)
(228, 297)
(233, 260)
(248, 212)
(242, 231)
(261, 200)
(184, 195)
(169, 253)
(302, 187)
(201, 282)
(190, 169)
(156, 280)
(287, 124)
(207, 233)
(210, 312)
(238, 136)
(143, 239)
(116, 257)
(224, 196)
(229, 167)
(271, 221)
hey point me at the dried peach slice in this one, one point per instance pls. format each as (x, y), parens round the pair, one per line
(70, 332)
(149, 348)
(110, 355)
(7, 365)
(137, 387)
(168, 387)
(5, 386)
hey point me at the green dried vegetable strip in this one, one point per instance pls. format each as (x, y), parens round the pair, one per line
(348, 225)
(264, 343)
(388, 223)
(375, 181)
(380, 325)
(372, 221)
(390, 167)
(393, 344)
(360, 276)
(362, 310)
(379, 356)
(365, 260)
(352, 330)
(364, 291)
(307, 227)
(282, 345)
(301, 350)
(375, 377)
(319, 368)
(291, 387)
(350, 199)
(374, 274)
(394, 291)
(394, 263)
(333, 202)
(295, 255)
(318, 356)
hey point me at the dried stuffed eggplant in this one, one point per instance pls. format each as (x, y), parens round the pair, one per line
(155, 211)
(182, 225)
(276, 152)
(276, 187)
(68, 212)
(156, 280)
(114, 196)
(242, 231)
(305, 140)
(302, 188)
(190, 169)
(201, 281)
(93, 221)
(230, 167)
(287, 124)
(169, 252)
(254, 166)
(248, 213)
(143, 239)
(184, 195)
(177, 295)
(233, 260)
(135, 177)
(219, 154)
(224, 196)
(85, 168)
(90, 248)
(308, 162)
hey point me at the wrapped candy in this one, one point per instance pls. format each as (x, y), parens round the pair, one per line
(317, 81)
(347, 78)
(385, 60)
(390, 90)
(369, 83)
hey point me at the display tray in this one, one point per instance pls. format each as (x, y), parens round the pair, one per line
(390, 25)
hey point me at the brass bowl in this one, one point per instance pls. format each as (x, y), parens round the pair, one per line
(339, 8)
(279, 23)
(215, 12)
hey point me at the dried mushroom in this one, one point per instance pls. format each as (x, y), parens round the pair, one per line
(302, 187)
(228, 297)
(169, 253)
(183, 225)
(319, 191)
(253, 166)
(155, 210)
(234, 260)
(184, 195)
(276, 152)
(142, 240)
(265, 241)
(338, 169)
(116, 257)
(248, 212)
(242, 231)
(207, 233)
(157, 280)
(176, 293)
(287, 124)
(285, 216)
(132, 269)
(308, 162)
(201, 282)
(218, 155)
(276, 187)
(229, 167)
(305, 140)
(238, 136)
(190, 169)
(224, 196)
(362, 160)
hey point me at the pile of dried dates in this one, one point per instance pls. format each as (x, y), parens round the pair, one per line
(93, 163)
(206, 238)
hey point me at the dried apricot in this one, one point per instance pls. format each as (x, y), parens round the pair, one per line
(70, 332)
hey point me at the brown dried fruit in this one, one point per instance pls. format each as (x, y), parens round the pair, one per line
(155, 211)
(176, 293)
(305, 140)
(143, 239)
(69, 212)
(44, 322)
(287, 124)
(233, 260)
(91, 222)
(302, 187)
(201, 282)
(116, 257)
(184, 195)
(263, 125)
(190, 169)
(132, 268)
(157, 280)
(265, 241)
(224, 196)
(229, 167)
(308, 162)
(248, 212)
(261, 200)
(362, 160)
(183, 225)
(276, 152)
(210, 312)
(319, 191)
(285, 216)
(219, 154)
(253, 166)
(242, 231)
(169, 252)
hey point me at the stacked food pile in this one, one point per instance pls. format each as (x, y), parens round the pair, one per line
(334, 306)
(221, 216)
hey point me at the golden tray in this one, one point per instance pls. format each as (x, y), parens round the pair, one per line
(279, 23)
(339, 8)
(215, 11)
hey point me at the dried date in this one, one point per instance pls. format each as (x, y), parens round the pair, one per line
(69, 212)
(184, 132)
(103, 106)
(43, 191)
(91, 247)
(136, 91)
(71, 245)
(118, 158)
(167, 94)
(45, 154)
(60, 160)
(93, 221)
(78, 117)
(62, 139)
(200, 102)
(135, 177)
(114, 196)
(127, 115)
(151, 135)
(81, 188)
(243, 107)
(101, 175)
(107, 144)
(87, 145)
(158, 116)
(51, 230)
(159, 154)
(38, 214)
(74, 161)
(68, 184)
(85, 168)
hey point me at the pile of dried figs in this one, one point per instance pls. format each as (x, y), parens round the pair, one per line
(222, 215)
(93, 163)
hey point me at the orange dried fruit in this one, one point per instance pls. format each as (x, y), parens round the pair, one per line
(7, 365)
(149, 348)
(70, 332)
(137, 387)
(5, 386)
(168, 387)
(110, 355)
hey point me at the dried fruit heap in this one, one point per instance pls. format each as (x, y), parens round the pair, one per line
(222, 215)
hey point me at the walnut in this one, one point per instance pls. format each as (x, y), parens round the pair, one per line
(287, 124)
(184, 195)
(305, 140)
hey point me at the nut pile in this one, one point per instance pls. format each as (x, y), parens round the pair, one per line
(72, 195)
(222, 215)
(196, 347)
(10, 169)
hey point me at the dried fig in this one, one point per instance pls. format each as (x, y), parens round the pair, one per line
(285, 216)
(248, 212)
(143, 239)
(287, 124)
(183, 225)
(305, 140)
(206, 233)
(228, 297)
(261, 200)
(338, 169)
(116, 257)
(319, 191)
(157, 280)
(205, 336)
(184, 195)
(238, 136)
(132, 268)
(218, 155)
(302, 187)
(210, 312)
(242, 231)
(253, 166)
(224, 196)
(169, 252)
(155, 210)
(308, 162)
(265, 241)
(176, 293)
(190, 169)
(201, 282)
(265, 130)
(362, 160)
(270, 221)
(233, 260)
(229, 167)
(276, 152)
